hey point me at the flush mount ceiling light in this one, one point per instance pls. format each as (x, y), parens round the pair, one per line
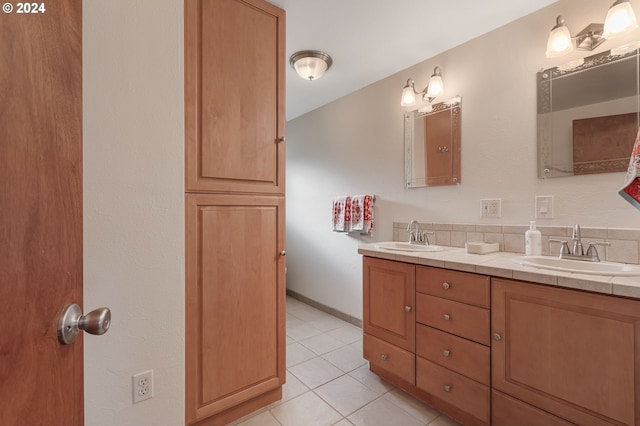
(620, 20)
(433, 89)
(311, 64)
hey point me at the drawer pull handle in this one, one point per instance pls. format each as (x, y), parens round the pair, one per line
(447, 388)
(497, 337)
(446, 317)
(446, 286)
(407, 308)
(384, 357)
(446, 353)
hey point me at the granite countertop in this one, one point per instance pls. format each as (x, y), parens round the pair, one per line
(503, 265)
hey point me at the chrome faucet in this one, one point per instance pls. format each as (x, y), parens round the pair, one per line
(578, 249)
(415, 236)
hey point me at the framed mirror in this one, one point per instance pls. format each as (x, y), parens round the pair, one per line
(588, 114)
(432, 144)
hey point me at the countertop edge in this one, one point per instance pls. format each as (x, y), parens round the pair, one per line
(503, 265)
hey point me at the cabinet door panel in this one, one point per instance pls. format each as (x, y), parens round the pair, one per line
(234, 92)
(235, 300)
(571, 353)
(389, 294)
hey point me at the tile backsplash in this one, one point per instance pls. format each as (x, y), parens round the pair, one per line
(625, 243)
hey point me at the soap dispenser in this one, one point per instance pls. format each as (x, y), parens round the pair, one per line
(533, 240)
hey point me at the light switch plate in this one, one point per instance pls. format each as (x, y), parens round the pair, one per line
(544, 207)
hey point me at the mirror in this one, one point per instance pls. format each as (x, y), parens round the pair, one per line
(588, 114)
(432, 144)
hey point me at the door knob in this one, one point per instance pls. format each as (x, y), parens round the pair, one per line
(72, 321)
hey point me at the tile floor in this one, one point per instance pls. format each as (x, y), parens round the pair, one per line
(329, 383)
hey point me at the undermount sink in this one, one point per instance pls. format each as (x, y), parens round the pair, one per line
(394, 245)
(579, 266)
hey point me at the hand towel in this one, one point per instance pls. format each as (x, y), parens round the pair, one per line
(631, 189)
(362, 213)
(341, 221)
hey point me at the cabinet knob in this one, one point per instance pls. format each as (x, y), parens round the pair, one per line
(446, 353)
(407, 308)
(446, 317)
(497, 337)
(446, 286)
(282, 139)
(283, 253)
(384, 357)
(447, 388)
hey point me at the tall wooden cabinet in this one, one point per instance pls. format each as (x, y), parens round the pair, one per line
(235, 224)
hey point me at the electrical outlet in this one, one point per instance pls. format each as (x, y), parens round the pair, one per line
(491, 208)
(142, 386)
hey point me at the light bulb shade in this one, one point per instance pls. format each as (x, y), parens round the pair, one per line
(408, 96)
(620, 20)
(310, 64)
(436, 86)
(559, 42)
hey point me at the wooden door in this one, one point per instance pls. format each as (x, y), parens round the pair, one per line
(234, 96)
(235, 293)
(41, 381)
(388, 301)
(573, 354)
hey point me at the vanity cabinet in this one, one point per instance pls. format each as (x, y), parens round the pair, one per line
(426, 330)
(452, 342)
(573, 354)
(389, 316)
(235, 213)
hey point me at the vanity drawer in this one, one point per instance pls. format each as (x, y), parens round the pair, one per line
(459, 391)
(470, 322)
(455, 285)
(391, 358)
(455, 353)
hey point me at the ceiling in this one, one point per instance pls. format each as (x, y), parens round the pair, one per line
(370, 40)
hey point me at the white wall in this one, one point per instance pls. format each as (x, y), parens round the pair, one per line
(355, 145)
(133, 207)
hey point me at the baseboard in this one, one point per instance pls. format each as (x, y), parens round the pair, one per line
(336, 313)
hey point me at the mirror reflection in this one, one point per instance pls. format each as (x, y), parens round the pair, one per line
(432, 144)
(588, 114)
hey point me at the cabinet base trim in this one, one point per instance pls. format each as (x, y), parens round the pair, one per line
(243, 409)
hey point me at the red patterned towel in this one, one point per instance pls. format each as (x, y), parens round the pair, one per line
(342, 214)
(631, 189)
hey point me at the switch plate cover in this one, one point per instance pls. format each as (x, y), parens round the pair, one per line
(544, 207)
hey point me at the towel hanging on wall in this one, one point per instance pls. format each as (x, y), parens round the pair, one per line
(631, 189)
(353, 213)
(342, 213)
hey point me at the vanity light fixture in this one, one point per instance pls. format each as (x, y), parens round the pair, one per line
(433, 89)
(311, 64)
(620, 20)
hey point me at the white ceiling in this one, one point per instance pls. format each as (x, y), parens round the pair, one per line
(373, 39)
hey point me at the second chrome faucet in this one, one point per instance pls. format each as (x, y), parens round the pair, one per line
(578, 249)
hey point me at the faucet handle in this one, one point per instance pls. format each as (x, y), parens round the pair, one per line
(592, 252)
(564, 246)
(425, 237)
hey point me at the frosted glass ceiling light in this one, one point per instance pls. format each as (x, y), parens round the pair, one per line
(620, 19)
(311, 64)
(434, 88)
(559, 42)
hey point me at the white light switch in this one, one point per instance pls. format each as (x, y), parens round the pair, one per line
(544, 207)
